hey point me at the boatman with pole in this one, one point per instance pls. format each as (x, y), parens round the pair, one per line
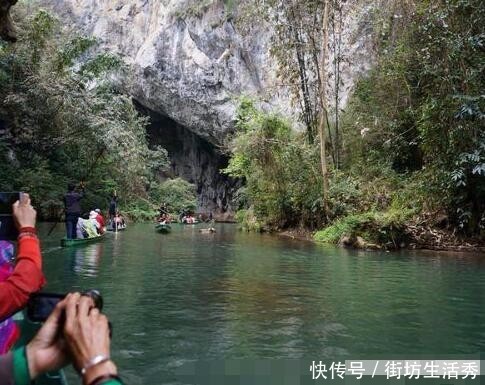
(113, 208)
(72, 205)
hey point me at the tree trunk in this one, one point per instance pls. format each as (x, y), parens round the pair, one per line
(302, 71)
(7, 29)
(337, 39)
(323, 109)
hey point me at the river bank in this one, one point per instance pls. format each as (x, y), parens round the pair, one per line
(437, 240)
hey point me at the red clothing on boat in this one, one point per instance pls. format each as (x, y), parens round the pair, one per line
(100, 220)
(26, 278)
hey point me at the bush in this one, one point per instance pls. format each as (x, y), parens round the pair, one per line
(248, 221)
(177, 195)
(382, 228)
(283, 184)
(421, 110)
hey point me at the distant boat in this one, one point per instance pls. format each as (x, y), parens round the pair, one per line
(163, 228)
(196, 222)
(210, 230)
(80, 241)
(120, 228)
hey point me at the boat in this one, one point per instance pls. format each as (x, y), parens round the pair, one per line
(163, 228)
(120, 228)
(80, 241)
(209, 230)
(193, 223)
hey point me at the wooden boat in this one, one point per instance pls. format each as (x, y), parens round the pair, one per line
(210, 230)
(80, 241)
(188, 224)
(163, 228)
(120, 228)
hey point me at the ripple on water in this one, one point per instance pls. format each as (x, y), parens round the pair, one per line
(184, 297)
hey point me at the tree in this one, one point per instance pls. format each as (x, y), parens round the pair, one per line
(323, 119)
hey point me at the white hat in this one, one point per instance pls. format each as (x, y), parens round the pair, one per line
(98, 210)
(93, 214)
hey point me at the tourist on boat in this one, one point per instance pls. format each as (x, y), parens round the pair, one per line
(189, 219)
(9, 331)
(164, 219)
(75, 332)
(86, 228)
(113, 206)
(163, 209)
(93, 215)
(25, 277)
(72, 205)
(80, 231)
(100, 219)
(118, 221)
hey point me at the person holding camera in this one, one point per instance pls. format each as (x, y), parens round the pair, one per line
(75, 331)
(27, 277)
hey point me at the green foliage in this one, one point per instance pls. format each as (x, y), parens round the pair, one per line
(157, 160)
(41, 27)
(193, 8)
(421, 110)
(345, 195)
(140, 210)
(64, 121)
(177, 194)
(248, 221)
(283, 182)
(377, 227)
(73, 49)
(100, 64)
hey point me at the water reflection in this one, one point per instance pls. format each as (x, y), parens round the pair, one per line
(186, 296)
(85, 260)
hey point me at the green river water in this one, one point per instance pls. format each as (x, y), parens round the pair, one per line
(188, 296)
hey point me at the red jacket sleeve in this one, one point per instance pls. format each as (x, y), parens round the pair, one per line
(27, 278)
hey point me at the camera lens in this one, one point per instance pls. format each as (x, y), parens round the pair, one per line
(95, 296)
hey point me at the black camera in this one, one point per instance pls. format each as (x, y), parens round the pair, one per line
(41, 305)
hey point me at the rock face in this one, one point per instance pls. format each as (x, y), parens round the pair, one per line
(189, 61)
(190, 64)
(197, 161)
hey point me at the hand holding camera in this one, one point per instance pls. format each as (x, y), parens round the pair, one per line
(87, 334)
(75, 331)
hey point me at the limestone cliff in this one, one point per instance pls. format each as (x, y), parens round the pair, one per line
(190, 64)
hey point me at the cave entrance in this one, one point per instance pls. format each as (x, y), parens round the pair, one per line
(196, 160)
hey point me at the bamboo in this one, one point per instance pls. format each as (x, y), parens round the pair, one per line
(323, 112)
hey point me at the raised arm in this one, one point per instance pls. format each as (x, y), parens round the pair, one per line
(27, 276)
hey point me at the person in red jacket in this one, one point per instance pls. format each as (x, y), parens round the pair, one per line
(100, 219)
(27, 276)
